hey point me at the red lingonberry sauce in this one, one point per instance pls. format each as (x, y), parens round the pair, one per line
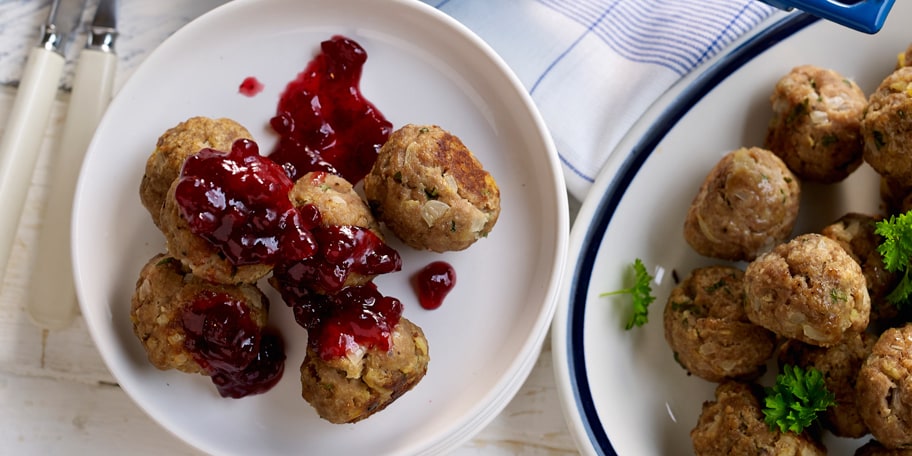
(342, 250)
(229, 346)
(354, 317)
(239, 202)
(433, 282)
(324, 122)
(250, 86)
(260, 375)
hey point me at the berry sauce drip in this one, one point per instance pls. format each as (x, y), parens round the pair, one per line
(239, 202)
(229, 346)
(250, 86)
(355, 317)
(342, 251)
(433, 282)
(324, 122)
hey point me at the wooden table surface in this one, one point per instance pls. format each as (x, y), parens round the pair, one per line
(56, 395)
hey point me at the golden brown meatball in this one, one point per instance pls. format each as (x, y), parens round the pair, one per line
(815, 127)
(856, 234)
(431, 191)
(198, 254)
(733, 424)
(172, 149)
(807, 289)
(884, 388)
(839, 365)
(887, 129)
(163, 293)
(707, 329)
(746, 205)
(351, 388)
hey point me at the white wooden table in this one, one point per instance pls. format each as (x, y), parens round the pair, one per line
(56, 395)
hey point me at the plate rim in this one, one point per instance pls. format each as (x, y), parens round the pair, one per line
(597, 210)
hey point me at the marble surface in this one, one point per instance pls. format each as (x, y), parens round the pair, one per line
(56, 395)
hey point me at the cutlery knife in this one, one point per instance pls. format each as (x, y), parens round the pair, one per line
(54, 307)
(29, 116)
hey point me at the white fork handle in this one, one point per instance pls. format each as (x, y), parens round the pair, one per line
(22, 139)
(52, 295)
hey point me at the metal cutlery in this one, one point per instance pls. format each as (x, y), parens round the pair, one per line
(29, 116)
(54, 307)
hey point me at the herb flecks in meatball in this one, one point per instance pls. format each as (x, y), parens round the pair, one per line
(884, 388)
(733, 424)
(815, 127)
(746, 205)
(887, 128)
(431, 191)
(708, 330)
(807, 289)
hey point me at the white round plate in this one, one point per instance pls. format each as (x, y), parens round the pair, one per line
(622, 391)
(422, 67)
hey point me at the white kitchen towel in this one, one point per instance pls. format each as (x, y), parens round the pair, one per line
(594, 66)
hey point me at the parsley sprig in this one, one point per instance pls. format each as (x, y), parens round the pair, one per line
(796, 399)
(896, 250)
(641, 293)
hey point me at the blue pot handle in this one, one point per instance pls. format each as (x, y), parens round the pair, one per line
(863, 15)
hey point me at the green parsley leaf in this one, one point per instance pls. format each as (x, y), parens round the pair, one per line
(795, 401)
(641, 293)
(896, 251)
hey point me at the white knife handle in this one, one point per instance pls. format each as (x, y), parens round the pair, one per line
(22, 139)
(52, 296)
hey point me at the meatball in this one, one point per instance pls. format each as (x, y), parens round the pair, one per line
(351, 388)
(200, 255)
(165, 293)
(431, 191)
(707, 329)
(856, 234)
(733, 424)
(875, 448)
(172, 149)
(887, 129)
(884, 388)
(336, 199)
(839, 365)
(807, 289)
(815, 127)
(746, 205)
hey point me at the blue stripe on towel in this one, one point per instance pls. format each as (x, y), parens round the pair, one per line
(670, 33)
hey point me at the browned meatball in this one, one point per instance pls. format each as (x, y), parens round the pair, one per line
(164, 291)
(733, 425)
(431, 191)
(839, 365)
(198, 254)
(875, 448)
(172, 149)
(887, 129)
(707, 329)
(746, 205)
(815, 127)
(807, 289)
(884, 388)
(855, 233)
(350, 389)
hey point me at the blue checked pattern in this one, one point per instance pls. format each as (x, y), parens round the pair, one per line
(594, 66)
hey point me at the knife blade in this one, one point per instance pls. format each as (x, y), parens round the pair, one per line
(29, 116)
(54, 307)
